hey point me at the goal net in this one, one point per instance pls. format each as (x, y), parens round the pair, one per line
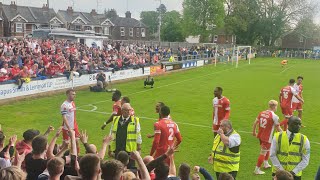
(243, 53)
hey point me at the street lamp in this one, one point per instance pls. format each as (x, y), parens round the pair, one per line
(160, 19)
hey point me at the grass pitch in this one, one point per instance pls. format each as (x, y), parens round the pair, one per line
(189, 94)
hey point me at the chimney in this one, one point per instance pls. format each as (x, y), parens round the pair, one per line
(45, 7)
(13, 5)
(128, 14)
(93, 12)
(70, 10)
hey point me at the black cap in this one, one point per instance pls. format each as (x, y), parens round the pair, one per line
(29, 134)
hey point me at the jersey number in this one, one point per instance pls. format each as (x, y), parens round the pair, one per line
(285, 95)
(171, 131)
(263, 122)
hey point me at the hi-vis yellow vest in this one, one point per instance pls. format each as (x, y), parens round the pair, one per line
(223, 159)
(290, 155)
(131, 143)
(171, 59)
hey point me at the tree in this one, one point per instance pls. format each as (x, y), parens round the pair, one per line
(243, 20)
(150, 19)
(264, 21)
(198, 15)
(171, 29)
(162, 9)
(111, 13)
(308, 28)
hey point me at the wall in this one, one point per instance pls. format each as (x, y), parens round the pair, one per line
(8, 91)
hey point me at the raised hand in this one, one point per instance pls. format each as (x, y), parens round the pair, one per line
(84, 137)
(107, 139)
(59, 130)
(135, 155)
(13, 140)
(196, 169)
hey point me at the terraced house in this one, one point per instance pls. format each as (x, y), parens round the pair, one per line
(119, 28)
(18, 21)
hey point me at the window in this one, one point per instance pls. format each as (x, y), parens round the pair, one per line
(138, 32)
(215, 38)
(301, 39)
(122, 31)
(106, 31)
(19, 27)
(77, 27)
(54, 26)
(88, 28)
(34, 27)
(131, 32)
(143, 32)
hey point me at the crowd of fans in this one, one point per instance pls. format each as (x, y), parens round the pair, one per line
(30, 59)
(37, 158)
(307, 54)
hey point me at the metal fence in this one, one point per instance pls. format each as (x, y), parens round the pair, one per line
(290, 54)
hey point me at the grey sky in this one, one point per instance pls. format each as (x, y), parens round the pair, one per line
(135, 6)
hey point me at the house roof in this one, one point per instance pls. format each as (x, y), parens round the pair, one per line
(31, 14)
(100, 18)
(87, 17)
(127, 22)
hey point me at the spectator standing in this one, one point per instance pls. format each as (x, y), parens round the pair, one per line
(226, 150)
(25, 146)
(126, 133)
(290, 150)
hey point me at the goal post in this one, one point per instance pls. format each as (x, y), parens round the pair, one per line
(247, 54)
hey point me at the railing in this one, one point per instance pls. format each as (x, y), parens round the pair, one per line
(294, 54)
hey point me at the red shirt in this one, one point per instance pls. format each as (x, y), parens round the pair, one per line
(15, 71)
(116, 108)
(45, 60)
(4, 78)
(267, 122)
(23, 147)
(24, 74)
(166, 133)
(221, 110)
(286, 95)
(299, 89)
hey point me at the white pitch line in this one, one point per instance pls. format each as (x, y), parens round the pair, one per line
(286, 69)
(178, 82)
(94, 108)
(190, 124)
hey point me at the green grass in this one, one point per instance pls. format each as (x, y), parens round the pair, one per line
(189, 95)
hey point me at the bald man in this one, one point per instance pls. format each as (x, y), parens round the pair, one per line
(125, 131)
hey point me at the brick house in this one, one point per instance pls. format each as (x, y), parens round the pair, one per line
(222, 37)
(19, 21)
(296, 40)
(118, 28)
(128, 28)
(81, 21)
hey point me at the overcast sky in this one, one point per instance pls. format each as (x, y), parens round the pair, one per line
(135, 6)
